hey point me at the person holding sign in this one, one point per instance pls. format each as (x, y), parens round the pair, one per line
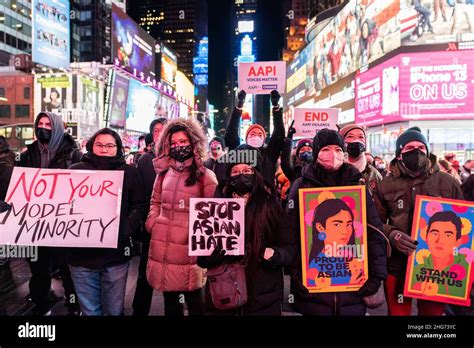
(100, 275)
(355, 139)
(53, 148)
(414, 171)
(181, 175)
(267, 245)
(255, 137)
(329, 170)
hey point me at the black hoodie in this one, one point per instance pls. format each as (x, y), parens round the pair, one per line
(133, 210)
(314, 176)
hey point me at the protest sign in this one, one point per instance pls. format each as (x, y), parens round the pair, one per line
(262, 77)
(62, 208)
(333, 238)
(308, 121)
(441, 267)
(216, 222)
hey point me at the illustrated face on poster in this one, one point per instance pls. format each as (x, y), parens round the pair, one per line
(333, 238)
(440, 268)
(216, 222)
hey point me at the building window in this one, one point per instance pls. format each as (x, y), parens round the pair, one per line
(5, 111)
(2, 92)
(22, 111)
(26, 92)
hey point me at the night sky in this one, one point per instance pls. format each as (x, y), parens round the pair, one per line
(270, 41)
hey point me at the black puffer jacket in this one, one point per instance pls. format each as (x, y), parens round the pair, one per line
(342, 303)
(268, 154)
(5, 176)
(264, 277)
(133, 210)
(67, 154)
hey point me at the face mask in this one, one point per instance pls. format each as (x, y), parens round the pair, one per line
(331, 160)
(181, 153)
(414, 160)
(355, 149)
(306, 156)
(44, 135)
(242, 183)
(255, 142)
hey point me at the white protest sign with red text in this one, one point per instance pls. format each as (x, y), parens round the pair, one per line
(310, 120)
(262, 77)
(62, 208)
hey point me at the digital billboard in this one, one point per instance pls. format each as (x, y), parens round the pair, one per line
(169, 66)
(132, 47)
(50, 34)
(118, 94)
(142, 105)
(417, 86)
(201, 63)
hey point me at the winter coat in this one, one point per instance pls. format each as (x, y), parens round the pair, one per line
(291, 167)
(169, 267)
(5, 176)
(7, 158)
(66, 155)
(395, 200)
(147, 173)
(219, 168)
(132, 213)
(268, 154)
(264, 277)
(337, 303)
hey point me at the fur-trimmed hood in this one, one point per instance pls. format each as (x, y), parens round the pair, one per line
(198, 140)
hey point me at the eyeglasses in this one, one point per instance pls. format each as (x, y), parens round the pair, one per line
(106, 146)
(248, 171)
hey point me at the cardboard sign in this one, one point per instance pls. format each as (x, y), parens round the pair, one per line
(216, 222)
(441, 267)
(262, 77)
(62, 208)
(308, 121)
(333, 238)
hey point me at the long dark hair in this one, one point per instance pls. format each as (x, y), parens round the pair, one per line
(262, 213)
(192, 178)
(322, 213)
(106, 131)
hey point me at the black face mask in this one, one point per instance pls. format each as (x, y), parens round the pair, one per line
(181, 153)
(242, 183)
(44, 135)
(414, 160)
(355, 149)
(306, 156)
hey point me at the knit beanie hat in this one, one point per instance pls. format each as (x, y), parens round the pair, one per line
(326, 137)
(350, 127)
(411, 134)
(253, 126)
(303, 142)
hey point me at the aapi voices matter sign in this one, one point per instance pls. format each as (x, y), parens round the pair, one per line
(62, 208)
(262, 77)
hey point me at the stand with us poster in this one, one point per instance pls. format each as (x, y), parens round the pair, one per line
(440, 268)
(333, 238)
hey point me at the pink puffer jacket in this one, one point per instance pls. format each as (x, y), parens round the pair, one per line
(169, 267)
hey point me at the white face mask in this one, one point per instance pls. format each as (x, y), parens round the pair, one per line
(256, 142)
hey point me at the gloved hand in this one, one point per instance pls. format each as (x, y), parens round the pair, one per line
(241, 96)
(402, 242)
(216, 258)
(275, 97)
(370, 287)
(291, 131)
(4, 206)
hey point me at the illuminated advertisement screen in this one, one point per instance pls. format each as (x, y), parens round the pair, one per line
(246, 26)
(417, 86)
(118, 101)
(142, 106)
(50, 34)
(437, 85)
(132, 47)
(169, 66)
(436, 22)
